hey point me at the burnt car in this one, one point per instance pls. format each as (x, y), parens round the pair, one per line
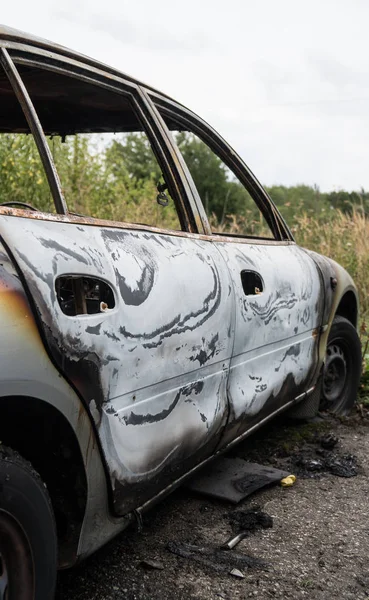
(135, 352)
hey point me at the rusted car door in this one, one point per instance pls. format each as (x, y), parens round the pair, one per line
(277, 290)
(138, 320)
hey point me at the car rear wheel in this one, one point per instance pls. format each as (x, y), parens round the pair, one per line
(342, 368)
(28, 543)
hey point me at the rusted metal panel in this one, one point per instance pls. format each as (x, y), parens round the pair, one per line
(152, 370)
(94, 222)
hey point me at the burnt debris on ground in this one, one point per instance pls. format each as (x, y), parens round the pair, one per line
(309, 450)
(217, 559)
(249, 520)
(223, 559)
(309, 464)
(321, 457)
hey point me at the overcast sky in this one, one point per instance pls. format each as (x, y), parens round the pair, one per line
(285, 81)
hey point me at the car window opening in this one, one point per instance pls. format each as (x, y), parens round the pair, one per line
(230, 208)
(106, 164)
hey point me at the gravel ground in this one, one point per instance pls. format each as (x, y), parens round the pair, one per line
(318, 546)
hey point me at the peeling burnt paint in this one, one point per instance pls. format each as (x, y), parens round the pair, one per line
(293, 351)
(206, 351)
(95, 330)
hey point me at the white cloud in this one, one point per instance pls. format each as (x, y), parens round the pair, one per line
(287, 82)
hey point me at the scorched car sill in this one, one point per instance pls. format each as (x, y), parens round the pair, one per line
(178, 482)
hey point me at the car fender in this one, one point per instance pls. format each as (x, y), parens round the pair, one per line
(27, 371)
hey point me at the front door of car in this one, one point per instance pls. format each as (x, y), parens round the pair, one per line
(151, 360)
(138, 319)
(276, 285)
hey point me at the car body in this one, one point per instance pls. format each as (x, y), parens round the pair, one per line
(185, 342)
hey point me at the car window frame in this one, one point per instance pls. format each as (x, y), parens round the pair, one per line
(166, 107)
(22, 54)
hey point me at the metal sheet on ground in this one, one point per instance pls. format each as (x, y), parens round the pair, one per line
(234, 479)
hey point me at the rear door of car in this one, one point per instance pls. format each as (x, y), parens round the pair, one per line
(276, 286)
(138, 319)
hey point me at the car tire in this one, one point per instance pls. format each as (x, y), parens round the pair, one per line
(28, 541)
(342, 368)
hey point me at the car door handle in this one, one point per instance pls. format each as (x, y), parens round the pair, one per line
(252, 283)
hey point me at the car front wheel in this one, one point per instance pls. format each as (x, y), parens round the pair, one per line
(342, 368)
(28, 543)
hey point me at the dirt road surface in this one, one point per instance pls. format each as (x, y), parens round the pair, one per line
(317, 548)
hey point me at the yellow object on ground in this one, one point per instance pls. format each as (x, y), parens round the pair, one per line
(288, 481)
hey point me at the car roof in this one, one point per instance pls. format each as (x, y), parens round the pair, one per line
(20, 37)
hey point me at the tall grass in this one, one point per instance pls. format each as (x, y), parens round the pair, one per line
(345, 238)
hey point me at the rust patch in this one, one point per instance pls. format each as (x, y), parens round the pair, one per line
(40, 216)
(15, 308)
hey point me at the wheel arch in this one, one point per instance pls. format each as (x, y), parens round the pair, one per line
(41, 434)
(348, 307)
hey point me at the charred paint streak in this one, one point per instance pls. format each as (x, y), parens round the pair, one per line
(135, 419)
(94, 330)
(135, 297)
(180, 324)
(66, 252)
(245, 259)
(144, 260)
(261, 387)
(293, 351)
(111, 336)
(195, 388)
(305, 316)
(207, 351)
(273, 306)
(46, 277)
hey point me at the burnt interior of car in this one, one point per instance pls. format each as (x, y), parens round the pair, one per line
(79, 295)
